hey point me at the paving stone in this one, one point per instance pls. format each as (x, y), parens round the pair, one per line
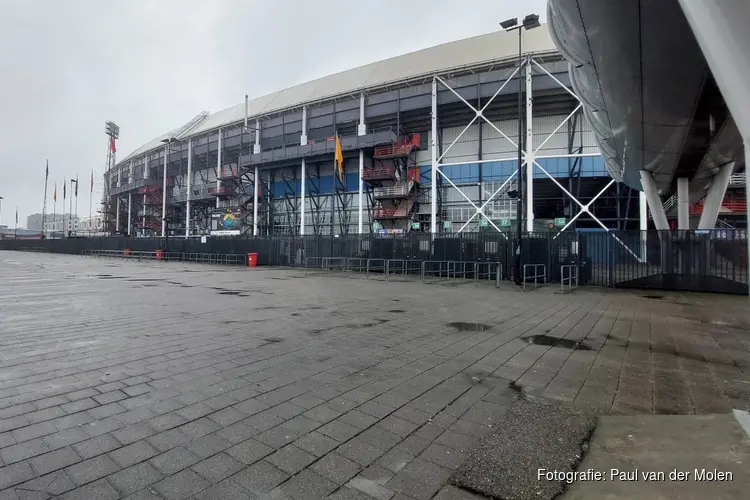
(360, 451)
(133, 433)
(195, 411)
(377, 474)
(452, 493)
(34, 431)
(250, 451)
(71, 421)
(227, 416)
(165, 422)
(80, 405)
(92, 469)
(395, 460)
(174, 460)
(55, 483)
(43, 415)
(347, 493)
(225, 490)
(371, 488)
(291, 459)
(263, 421)
(145, 494)
(322, 414)
(260, 478)
(7, 439)
(168, 439)
(15, 473)
(336, 468)
(135, 416)
(339, 431)
(199, 428)
(308, 486)
(100, 490)
(237, 432)
(377, 436)
(107, 410)
(411, 487)
(218, 467)
(22, 451)
(182, 485)
(82, 394)
(209, 445)
(65, 438)
(54, 460)
(316, 443)
(444, 455)
(358, 419)
(377, 410)
(109, 397)
(133, 453)
(135, 478)
(251, 406)
(103, 426)
(278, 437)
(96, 446)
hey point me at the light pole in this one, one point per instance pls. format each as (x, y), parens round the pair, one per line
(529, 22)
(1, 210)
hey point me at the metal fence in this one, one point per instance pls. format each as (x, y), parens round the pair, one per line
(712, 261)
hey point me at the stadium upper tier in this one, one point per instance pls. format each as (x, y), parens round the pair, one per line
(647, 91)
(460, 56)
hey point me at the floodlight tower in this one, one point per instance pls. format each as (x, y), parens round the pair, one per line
(113, 133)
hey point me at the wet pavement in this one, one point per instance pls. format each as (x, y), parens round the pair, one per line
(146, 381)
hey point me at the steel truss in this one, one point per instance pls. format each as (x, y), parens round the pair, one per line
(342, 200)
(529, 152)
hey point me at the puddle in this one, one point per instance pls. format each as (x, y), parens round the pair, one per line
(655, 297)
(546, 340)
(517, 389)
(145, 280)
(273, 340)
(396, 311)
(108, 277)
(231, 292)
(470, 327)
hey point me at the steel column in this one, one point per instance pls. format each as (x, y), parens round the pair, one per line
(302, 199)
(218, 167)
(362, 128)
(130, 204)
(643, 222)
(360, 225)
(117, 217)
(164, 193)
(433, 148)
(303, 135)
(529, 151)
(652, 196)
(714, 197)
(683, 203)
(256, 148)
(189, 187)
(256, 180)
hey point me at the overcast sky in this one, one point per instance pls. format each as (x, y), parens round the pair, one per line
(150, 65)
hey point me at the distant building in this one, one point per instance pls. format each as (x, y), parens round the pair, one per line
(34, 221)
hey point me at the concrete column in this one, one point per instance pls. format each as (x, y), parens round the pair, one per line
(433, 148)
(303, 136)
(683, 203)
(256, 148)
(360, 222)
(145, 167)
(362, 128)
(302, 199)
(130, 204)
(529, 151)
(218, 166)
(256, 185)
(164, 193)
(189, 187)
(714, 197)
(652, 196)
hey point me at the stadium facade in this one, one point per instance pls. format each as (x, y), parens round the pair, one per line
(428, 141)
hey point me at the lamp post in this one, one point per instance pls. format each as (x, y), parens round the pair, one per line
(1, 210)
(529, 22)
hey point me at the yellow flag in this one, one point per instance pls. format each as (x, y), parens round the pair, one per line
(339, 159)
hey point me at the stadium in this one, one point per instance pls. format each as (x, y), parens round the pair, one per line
(429, 143)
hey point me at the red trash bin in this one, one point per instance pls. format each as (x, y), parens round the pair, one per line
(252, 259)
(126, 252)
(160, 255)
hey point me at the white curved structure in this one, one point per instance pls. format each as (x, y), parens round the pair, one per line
(664, 85)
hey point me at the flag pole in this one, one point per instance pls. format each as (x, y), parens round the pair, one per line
(44, 206)
(64, 195)
(91, 198)
(54, 210)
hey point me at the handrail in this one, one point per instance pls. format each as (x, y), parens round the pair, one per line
(404, 266)
(567, 284)
(536, 275)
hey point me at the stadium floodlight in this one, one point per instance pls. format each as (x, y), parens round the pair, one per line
(509, 24)
(531, 21)
(112, 129)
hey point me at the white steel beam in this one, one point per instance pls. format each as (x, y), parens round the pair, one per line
(480, 210)
(715, 196)
(302, 199)
(652, 196)
(362, 127)
(256, 185)
(164, 193)
(130, 204)
(256, 147)
(433, 149)
(529, 159)
(189, 187)
(303, 136)
(360, 222)
(643, 222)
(683, 203)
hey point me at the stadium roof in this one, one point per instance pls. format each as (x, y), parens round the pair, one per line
(470, 52)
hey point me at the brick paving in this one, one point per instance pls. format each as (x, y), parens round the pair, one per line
(173, 381)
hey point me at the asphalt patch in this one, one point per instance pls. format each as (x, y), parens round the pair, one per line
(528, 437)
(546, 340)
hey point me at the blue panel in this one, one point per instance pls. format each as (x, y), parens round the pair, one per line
(352, 181)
